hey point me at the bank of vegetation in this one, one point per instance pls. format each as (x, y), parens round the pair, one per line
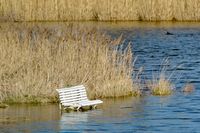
(103, 10)
(36, 59)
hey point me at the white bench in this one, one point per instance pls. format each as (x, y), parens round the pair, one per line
(75, 97)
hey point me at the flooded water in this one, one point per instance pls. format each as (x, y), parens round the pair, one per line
(151, 43)
(175, 47)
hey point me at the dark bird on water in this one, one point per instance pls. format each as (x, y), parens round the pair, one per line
(169, 33)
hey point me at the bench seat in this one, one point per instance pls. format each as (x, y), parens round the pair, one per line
(75, 97)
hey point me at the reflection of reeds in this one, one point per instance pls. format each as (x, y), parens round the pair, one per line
(35, 60)
(62, 10)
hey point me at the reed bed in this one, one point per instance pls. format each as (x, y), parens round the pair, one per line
(37, 59)
(104, 10)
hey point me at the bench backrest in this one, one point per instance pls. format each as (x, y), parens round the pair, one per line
(72, 95)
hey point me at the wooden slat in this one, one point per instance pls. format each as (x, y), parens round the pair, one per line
(66, 91)
(75, 97)
(63, 91)
(92, 101)
(70, 104)
(73, 92)
(86, 102)
(72, 96)
(71, 100)
(71, 88)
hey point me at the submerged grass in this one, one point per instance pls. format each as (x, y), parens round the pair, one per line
(37, 59)
(103, 10)
(188, 88)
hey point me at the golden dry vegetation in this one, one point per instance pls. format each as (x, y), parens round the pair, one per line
(161, 86)
(104, 10)
(36, 59)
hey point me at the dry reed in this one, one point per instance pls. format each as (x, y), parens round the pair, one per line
(105, 10)
(161, 86)
(35, 60)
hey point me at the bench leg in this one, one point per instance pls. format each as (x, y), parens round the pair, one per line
(60, 106)
(95, 106)
(78, 109)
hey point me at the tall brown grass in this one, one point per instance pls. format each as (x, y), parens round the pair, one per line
(161, 84)
(106, 10)
(37, 59)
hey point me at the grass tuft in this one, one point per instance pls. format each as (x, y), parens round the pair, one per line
(161, 87)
